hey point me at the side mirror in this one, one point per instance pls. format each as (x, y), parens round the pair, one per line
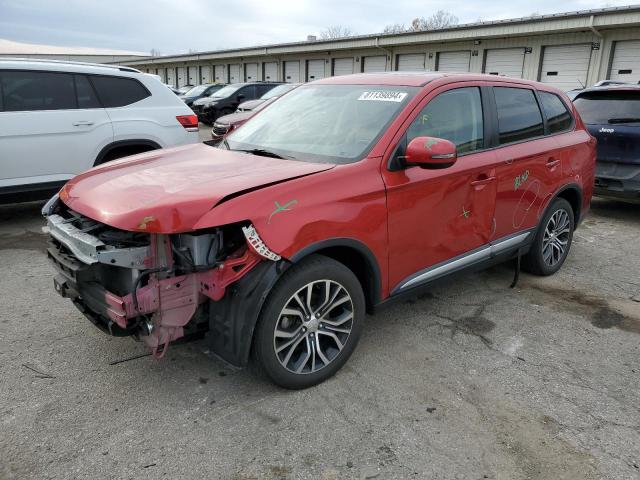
(430, 152)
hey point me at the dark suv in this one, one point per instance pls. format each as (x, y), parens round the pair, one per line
(227, 99)
(612, 115)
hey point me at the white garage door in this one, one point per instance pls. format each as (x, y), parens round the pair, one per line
(454, 61)
(315, 70)
(270, 71)
(251, 72)
(219, 74)
(292, 71)
(193, 75)
(411, 62)
(376, 63)
(205, 74)
(626, 61)
(566, 66)
(171, 76)
(234, 73)
(504, 61)
(182, 76)
(342, 66)
(163, 74)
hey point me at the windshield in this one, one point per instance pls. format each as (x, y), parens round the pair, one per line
(224, 92)
(324, 123)
(195, 91)
(278, 91)
(609, 107)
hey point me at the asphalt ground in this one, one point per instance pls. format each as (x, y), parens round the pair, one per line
(472, 380)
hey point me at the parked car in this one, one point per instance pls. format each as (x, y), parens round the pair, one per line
(612, 115)
(226, 100)
(226, 124)
(172, 88)
(200, 91)
(223, 126)
(58, 119)
(184, 89)
(347, 193)
(273, 93)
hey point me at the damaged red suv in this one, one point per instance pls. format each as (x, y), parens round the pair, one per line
(347, 193)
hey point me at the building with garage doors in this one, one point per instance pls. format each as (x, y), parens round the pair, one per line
(568, 50)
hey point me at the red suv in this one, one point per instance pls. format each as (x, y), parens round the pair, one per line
(347, 193)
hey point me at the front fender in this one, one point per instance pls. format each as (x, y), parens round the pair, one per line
(347, 201)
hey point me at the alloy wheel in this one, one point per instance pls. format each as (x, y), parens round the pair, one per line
(313, 327)
(556, 237)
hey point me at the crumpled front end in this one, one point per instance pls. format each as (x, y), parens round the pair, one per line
(155, 287)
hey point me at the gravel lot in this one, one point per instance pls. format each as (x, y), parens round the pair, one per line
(470, 381)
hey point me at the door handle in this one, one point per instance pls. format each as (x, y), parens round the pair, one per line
(509, 161)
(552, 162)
(482, 181)
(82, 123)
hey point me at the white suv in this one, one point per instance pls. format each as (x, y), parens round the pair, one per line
(58, 119)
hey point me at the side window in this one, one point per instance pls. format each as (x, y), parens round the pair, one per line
(558, 117)
(455, 115)
(86, 95)
(118, 91)
(24, 90)
(249, 92)
(262, 89)
(519, 116)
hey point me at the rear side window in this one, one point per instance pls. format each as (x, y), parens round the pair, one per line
(519, 116)
(262, 89)
(558, 117)
(609, 106)
(249, 92)
(118, 91)
(455, 115)
(86, 94)
(29, 91)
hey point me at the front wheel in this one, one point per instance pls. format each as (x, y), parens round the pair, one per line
(310, 323)
(553, 240)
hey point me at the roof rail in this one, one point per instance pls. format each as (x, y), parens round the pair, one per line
(70, 62)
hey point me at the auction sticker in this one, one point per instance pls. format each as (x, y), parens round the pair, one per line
(383, 96)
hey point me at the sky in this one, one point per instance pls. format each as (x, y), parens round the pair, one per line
(178, 26)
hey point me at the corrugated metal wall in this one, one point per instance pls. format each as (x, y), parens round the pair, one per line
(601, 42)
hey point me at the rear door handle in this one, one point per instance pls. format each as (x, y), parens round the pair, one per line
(552, 162)
(82, 123)
(483, 180)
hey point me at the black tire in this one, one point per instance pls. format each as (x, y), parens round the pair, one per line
(325, 272)
(536, 261)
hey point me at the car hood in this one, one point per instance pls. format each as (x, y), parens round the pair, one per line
(250, 104)
(168, 191)
(206, 100)
(235, 118)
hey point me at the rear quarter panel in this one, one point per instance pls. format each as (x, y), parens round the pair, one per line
(153, 118)
(578, 158)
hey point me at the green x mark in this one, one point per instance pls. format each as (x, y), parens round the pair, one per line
(465, 213)
(282, 208)
(430, 143)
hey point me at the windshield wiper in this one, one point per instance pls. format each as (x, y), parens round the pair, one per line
(624, 120)
(265, 153)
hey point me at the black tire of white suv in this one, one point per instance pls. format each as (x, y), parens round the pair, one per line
(553, 240)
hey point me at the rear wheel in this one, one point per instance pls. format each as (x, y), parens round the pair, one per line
(310, 323)
(553, 240)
